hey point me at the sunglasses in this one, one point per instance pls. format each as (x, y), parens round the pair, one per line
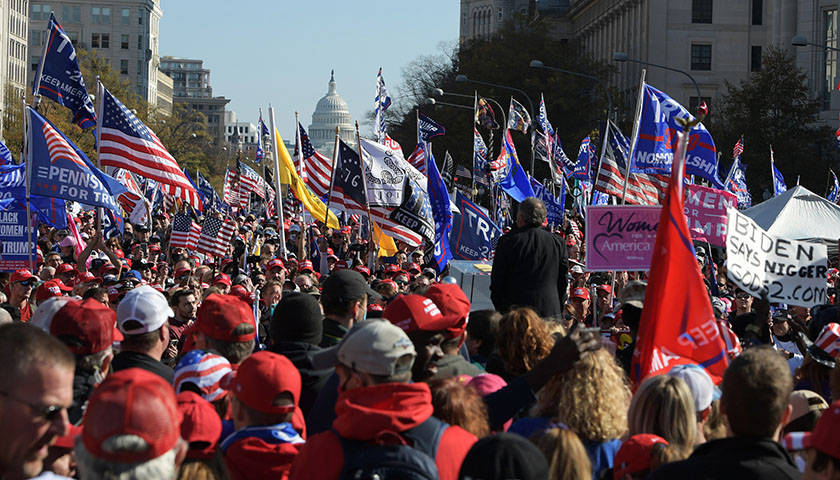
(742, 296)
(26, 283)
(48, 413)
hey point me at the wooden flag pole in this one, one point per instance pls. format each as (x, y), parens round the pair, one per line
(367, 198)
(635, 137)
(332, 173)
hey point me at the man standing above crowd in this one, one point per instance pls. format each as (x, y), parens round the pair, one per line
(530, 265)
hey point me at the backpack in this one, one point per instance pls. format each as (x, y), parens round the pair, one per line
(376, 461)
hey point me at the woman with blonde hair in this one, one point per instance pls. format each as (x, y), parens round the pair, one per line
(567, 459)
(523, 340)
(591, 399)
(663, 406)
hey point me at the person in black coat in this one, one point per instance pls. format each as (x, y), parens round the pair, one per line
(531, 265)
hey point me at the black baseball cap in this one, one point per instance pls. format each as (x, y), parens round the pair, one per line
(346, 285)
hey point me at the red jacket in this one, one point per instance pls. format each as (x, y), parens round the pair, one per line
(362, 413)
(261, 452)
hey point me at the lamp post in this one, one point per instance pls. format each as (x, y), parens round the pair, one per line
(802, 41)
(438, 92)
(622, 57)
(461, 78)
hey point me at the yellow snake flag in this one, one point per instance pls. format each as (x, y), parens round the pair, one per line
(289, 176)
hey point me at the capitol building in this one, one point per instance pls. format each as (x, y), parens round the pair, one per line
(331, 112)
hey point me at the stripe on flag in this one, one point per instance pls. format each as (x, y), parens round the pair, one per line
(215, 236)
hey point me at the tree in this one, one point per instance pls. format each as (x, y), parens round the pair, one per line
(774, 107)
(575, 105)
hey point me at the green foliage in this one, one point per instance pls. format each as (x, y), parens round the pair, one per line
(575, 105)
(774, 107)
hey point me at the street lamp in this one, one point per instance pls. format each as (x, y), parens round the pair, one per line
(438, 92)
(461, 78)
(540, 64)
(622, 57)
(802, 41)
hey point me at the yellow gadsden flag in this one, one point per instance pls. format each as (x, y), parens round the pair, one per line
(289, 176)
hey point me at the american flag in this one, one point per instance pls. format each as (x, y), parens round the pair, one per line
(738, 149)
(205, 370)
(215, 236)
(318, 168)
(417, 159)
(270, 204)
(185, 232)
(251, 180)
(642, 189)
(233, 194)
(127, 143)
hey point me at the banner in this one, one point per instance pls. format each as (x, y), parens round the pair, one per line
(474, 235)
(787, 271)
(553, 206)
(620, 237)
(705, 209)
(16, 247)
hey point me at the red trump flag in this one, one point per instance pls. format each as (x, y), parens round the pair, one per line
(678, 325)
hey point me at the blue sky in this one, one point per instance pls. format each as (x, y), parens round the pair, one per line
(281, 52)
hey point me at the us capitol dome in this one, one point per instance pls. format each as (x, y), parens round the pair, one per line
(331, 112)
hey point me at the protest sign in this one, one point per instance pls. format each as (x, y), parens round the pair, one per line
(787, 271)
(16, 247)
(474, 235)
(620, 237)
(705, 209)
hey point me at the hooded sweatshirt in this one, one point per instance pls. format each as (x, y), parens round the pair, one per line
(261, 451)
(364, 413)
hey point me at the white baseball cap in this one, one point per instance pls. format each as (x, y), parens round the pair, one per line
(699, 382)
(146, 306)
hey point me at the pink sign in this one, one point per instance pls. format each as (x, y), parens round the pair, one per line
(620, 237)
(705, 209)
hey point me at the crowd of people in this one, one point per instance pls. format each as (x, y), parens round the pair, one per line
(297, 356)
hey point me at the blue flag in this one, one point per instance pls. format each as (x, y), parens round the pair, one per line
(207, 190)
(439, 201)
(558, 155)
(428, 129)
(553, 206)
(51, 211)
(5, 155)
(586, 155)
(200, 194)
(515, 183)
(542, 119)
(263, 132)
(834, 194)
(737, 184)
(60, 169)
(481, 170)
(779, 186)
(61, 79)
(474, 235)
(657, 140)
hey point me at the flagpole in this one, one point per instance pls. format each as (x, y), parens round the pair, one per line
(364, 185)
(601, 160)
(100, 102)
(26, 154)
(332, 172)
(36, 96)
(278, 197)
(636, 123)
(772, 172)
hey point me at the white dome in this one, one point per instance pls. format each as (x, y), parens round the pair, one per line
(331, 112)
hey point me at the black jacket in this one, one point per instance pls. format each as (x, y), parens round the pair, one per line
(530, 270)
(312, 380)
(744, 458)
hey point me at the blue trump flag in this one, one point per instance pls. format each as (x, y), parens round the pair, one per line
(200, 194)
(586, 155)
(474, 235)
(61, 78)
(653, 152)
(779, 186)
(553, 206)
(5, 155)
(51, 211)
(737, 183)
(542, 119)
(207, 190)
(515, 183)
(60, 169)
(439, 201)
(834, 194)
(428, 129)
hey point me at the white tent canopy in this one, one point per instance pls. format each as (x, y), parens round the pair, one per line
(799, 214)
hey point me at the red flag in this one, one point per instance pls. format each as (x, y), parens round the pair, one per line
(678, 325)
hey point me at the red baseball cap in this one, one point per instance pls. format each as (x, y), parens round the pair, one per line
(132, 402)
(108, 267)
(68, 441)
(824, 436)
(305, 265)
(222, 278)
(340, 265)
(274, 263)
(363, 270)
(200, 425)
(242, 293)
(413, 312)
(87, 277)
(580, 293)
(604, 288)
(182, 271)
(635, 453)
(51, 288)
(346, 229)
(65, 268)
(414, 268)
(453, 305)
(219, 315)
(392, 268)
(21, 276)
(88, 326)
(261, 377)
